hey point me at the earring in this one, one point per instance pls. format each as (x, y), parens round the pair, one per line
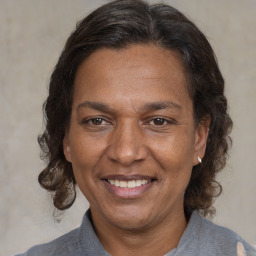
(199, 159)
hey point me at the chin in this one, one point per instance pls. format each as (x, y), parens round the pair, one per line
(129, 224)
(133, 220)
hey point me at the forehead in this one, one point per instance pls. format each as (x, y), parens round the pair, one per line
(153, 59)
(137, 73)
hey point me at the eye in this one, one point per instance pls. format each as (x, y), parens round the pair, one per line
(96, 121)
(158, 121)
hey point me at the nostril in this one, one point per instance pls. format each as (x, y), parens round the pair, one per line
(126, 153)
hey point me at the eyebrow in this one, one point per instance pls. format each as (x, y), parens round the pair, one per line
(160, 105)
(94, 105)
(148, 107)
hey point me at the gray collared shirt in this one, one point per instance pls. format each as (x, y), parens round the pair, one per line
(201, 238)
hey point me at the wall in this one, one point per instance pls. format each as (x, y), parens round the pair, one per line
(32, 36)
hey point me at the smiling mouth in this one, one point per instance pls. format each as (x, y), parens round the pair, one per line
(128, 187)
(128, 184)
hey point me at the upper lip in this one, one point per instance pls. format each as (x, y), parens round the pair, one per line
(128, 177)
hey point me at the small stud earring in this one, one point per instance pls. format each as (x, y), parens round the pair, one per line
(199, 159)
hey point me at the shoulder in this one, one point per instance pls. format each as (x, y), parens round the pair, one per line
(63, 245)
(221, 239)
(80, 241)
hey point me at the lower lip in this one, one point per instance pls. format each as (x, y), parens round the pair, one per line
(128, 193)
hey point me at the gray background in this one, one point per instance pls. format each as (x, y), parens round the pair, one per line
(33, 33)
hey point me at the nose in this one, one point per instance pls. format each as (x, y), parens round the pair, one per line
(126, 145)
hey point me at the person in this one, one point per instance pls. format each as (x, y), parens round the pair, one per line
(136, 116)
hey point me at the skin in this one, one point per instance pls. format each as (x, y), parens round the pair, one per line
(240, 249)
(132, 118)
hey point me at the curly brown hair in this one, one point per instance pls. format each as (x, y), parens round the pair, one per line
(119, 24)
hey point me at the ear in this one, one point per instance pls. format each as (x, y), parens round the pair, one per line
(66, 147)
(201, 135)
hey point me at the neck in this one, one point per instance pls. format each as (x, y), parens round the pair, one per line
(154, 240)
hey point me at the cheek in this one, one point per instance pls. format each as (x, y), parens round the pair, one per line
(176, 149)
(87, 153)
(175, 155)
(85, 156)
(85, 150)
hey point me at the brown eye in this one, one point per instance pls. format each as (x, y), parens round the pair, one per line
(159, 121)
(97, 121)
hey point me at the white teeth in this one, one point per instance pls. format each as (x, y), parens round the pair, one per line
(131, 184)
(138, 183)
(144, 182)
(128, 184)
(123, 184)
(111, 182)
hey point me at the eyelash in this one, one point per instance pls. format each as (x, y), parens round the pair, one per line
(91, 120)
(163, 121)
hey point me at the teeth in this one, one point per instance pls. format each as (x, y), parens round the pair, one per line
(111, 182)
(138, 183)
(128, 184)
(122, 184)
(131, 184)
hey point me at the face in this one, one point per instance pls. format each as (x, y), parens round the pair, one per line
(132, 140)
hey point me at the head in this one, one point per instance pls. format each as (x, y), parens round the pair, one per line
(117, 26)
